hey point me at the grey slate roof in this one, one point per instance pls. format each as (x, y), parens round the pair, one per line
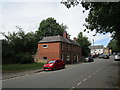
(96, 47)
(58, 39)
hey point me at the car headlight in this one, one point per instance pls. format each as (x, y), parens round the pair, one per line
(51, 64)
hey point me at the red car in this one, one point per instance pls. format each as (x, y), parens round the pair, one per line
(54, 64)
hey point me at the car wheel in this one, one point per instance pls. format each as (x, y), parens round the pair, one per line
(53, 69)
(64, 67)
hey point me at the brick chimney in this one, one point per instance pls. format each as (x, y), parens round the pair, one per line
(75, 38)
(65, 34)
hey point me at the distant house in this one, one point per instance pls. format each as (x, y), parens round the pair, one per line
(59, 47)
(107, 51)
(96, 50)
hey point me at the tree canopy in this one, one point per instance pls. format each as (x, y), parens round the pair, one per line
(17, 43)
(103, 17)
(84, 42)
(113, 46)
(50, 27)
(20, 46)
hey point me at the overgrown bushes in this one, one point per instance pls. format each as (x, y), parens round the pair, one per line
(24, 58)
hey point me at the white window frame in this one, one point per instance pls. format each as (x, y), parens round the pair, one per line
(68, 48)
(77, 58)
(68, 57)
(46, 46)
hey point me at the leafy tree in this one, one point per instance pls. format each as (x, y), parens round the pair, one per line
(16, 43)
(20, 43)
(103, 17)
(113, 45)
(85, 43)
(50, 27)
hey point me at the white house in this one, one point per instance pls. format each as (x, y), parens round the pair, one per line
(95, 50)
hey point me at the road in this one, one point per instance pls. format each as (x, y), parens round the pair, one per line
(102, 73)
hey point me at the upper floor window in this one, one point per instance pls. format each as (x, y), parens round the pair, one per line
(45, 46)
(61, 46)
(68, 48)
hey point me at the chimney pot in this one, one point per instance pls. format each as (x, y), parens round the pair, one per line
(75, 38)
(65, 34)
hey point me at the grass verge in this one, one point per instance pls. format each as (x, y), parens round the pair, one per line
(21, 67)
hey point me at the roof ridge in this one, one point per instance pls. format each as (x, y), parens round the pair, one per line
(58, 39)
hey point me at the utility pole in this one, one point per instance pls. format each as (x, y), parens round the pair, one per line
(93, 42)
(93, 48)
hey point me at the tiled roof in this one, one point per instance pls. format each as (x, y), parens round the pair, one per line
(58, 39)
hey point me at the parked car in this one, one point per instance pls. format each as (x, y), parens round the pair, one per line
(88, 59)
(101, 55)
(106, 57)
(117, 57)
(54, 64)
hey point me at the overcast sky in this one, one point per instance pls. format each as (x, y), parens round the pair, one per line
(29, 13)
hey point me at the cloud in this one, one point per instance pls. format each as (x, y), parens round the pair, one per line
(30, 0)
(28, 15)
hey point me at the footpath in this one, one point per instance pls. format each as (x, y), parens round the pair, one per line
(8, 75)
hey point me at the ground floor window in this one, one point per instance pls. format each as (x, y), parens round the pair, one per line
(77, 58)
(68, 57)
(74, 58)
(44, 58)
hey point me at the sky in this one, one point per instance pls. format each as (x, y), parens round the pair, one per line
(29, 13)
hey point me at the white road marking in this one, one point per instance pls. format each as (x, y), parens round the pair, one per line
(97, 71)
(94, 73)
(73, 87)
(89, 76)
(85, 79)
(79, 83)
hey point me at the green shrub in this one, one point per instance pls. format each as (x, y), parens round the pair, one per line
(24, 58)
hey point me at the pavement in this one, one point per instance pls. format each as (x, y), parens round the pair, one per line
(8, 75)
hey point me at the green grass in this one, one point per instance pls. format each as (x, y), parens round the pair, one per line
(21, 67)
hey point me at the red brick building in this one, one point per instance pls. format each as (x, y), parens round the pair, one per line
(59, 47)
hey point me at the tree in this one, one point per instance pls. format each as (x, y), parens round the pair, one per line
(113, 45)
(103, 17)
(17, 43)
(85, 43)
(50, 27)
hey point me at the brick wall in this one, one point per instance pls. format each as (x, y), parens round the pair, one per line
(58, 49)
(51, 52)
(72, 51)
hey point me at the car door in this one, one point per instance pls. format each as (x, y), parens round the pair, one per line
(60, 63)
(57, 64)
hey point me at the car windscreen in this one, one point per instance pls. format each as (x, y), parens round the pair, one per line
(51, 61)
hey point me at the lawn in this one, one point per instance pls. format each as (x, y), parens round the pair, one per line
(21, 67)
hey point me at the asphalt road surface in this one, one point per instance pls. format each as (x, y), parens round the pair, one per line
(102, 73)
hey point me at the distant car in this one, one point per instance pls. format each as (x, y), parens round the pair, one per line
(54, 64)
(88, 59)
(117, 57)
(106, 57)
(101, 55)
